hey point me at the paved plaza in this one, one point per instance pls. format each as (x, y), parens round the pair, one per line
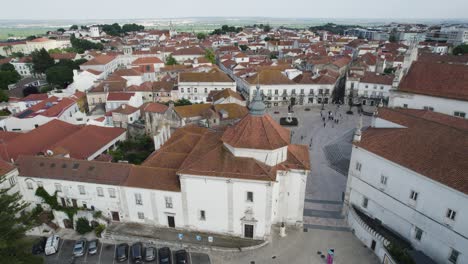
(300, 247)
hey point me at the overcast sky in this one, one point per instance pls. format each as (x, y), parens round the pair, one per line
(122, 9)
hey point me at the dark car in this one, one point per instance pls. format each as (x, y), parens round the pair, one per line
(93, 246)
(121, 252)
(136, 251)
(182, 257)
(276, 112)
(165, 255)
(150, 253)
(79, 248)
(39, 246)
(307, 109)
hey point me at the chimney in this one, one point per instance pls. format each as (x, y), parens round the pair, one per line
(358, 132)
(123, 106)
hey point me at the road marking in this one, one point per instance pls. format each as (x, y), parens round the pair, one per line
(113, 259)
(60, 248)
(100, 252)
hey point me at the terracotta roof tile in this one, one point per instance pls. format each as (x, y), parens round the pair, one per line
(427, 146)
(257, 132)
(437, 79)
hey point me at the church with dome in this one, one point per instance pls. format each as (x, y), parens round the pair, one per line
(237, 181)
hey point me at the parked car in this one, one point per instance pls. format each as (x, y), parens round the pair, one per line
(276, 112)
(121, 252)
(52, 245)
(307, 109)
(165, 255)
(80, 248)
(182, 257)
(39, 246)
(137, 253)
(150, 253)
(93, 246)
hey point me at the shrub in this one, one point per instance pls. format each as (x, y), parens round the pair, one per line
(99, 229)
(82, 226)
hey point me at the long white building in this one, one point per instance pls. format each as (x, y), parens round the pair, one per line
(408, 173)
(435, 86)
(239, 182)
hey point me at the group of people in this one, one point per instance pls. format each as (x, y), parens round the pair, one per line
(331, 117)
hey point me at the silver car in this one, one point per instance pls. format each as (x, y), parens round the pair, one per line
(93, 246)
(79, 248)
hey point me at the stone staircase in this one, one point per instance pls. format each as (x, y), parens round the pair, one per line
(324, 215)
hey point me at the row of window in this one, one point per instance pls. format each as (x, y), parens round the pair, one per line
(81, 189)
(293, 91)
(195, 90)
(430, 108)
(413, 196)
(454, 254)
(139, 200)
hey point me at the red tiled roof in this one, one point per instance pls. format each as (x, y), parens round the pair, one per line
(96, 137)
(34, 97)
(437, 79)
(155, 108)
(147, 60)
(99, 60)
(372, 77)
(428, 145)
(257, 132)
(37, 140)
(51, 107)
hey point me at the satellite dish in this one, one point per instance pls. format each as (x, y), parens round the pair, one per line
(49, 152)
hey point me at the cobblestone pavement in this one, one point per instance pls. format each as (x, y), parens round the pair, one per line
(330, 150)
(300, 247)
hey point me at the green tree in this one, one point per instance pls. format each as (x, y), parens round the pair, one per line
(7, 67)
(15, 221)
(74, 27)
(182, 102)
(30, 90)
(31, 37)
(7, 78)
(55, 51)
(267, 28)
(17, 54)
(61, 30)
(113, 30)
(460, 49)
(80, 45)
(171, 61)
(243, 47)
(132, 27)
(201, 36)
(59, 75)
(4, 96)
(83, 226)
(41, 60)
(209, 55)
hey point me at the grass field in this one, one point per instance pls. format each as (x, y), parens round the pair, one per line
(21, 32)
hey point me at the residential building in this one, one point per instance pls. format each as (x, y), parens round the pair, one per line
(407, 184)
(439, 87)
(196, 86)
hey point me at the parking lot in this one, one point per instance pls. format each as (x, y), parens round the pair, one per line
(106, 255)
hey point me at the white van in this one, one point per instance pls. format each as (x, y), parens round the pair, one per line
(52, 245)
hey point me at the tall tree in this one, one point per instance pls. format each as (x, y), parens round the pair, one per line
(41, 60)
(460, 49)
(171, 61)
(7, 78)
(14, 222)
(209, 55)
(74, 27)
(60, 75)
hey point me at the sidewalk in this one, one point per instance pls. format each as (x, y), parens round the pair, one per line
(173, 237)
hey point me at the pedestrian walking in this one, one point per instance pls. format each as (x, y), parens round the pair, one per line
(324, 124)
